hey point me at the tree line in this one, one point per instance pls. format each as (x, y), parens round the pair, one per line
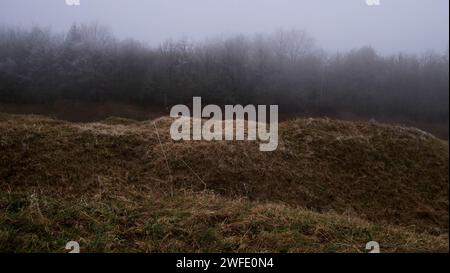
(87, 63)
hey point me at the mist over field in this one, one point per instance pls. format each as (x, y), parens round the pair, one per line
(87, 147)
(409, 26)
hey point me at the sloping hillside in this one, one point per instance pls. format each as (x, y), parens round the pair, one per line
(123, 185)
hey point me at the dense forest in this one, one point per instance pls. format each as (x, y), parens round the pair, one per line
(285, 67)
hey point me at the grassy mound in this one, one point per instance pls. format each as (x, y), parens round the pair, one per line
(120, 186)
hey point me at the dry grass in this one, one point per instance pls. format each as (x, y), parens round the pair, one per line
(331, 186)
(123, 218)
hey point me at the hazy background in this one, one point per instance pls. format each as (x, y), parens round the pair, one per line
(410, 26)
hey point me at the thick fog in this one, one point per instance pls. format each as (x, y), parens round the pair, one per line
(411, 26)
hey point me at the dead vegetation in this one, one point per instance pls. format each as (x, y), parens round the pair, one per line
(118, 186)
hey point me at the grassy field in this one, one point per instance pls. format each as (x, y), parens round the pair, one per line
(124, 186)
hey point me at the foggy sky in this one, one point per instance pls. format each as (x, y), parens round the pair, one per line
(411, 26)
